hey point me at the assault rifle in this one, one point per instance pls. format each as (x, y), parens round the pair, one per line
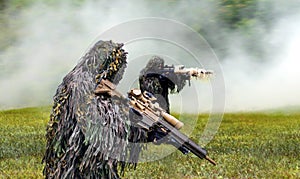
(147, 114)
(187, 73)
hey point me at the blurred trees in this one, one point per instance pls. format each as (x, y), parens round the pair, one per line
(248, 20)
(214, 19)
(237, 13)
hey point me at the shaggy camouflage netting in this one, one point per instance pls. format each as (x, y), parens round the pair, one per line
(160, 84)
(88, 135)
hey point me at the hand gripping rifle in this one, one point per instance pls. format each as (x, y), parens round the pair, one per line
(150, 114)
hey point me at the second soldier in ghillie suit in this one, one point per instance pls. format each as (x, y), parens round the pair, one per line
(154, 79)
(88, 135)
(160, 83)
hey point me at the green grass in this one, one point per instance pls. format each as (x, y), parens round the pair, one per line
(22, 142)
(247, 145)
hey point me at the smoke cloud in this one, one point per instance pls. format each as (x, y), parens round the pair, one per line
(52, 38)
(252, 85)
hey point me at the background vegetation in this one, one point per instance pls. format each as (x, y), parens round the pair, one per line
(249, 18)
(247, 145)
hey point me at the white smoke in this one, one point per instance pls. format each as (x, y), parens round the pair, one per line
(272, 84)
(51, 39)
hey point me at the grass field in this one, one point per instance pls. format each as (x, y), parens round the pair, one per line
(247, 145)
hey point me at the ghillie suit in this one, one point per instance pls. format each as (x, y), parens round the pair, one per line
(160, 84)
(154, 80)
(88, 135)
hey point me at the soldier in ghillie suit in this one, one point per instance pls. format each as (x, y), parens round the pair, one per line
(154, 79)
(88, 135)
(160, 82)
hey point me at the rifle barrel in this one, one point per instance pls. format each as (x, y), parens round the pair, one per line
(210, 160)
(186, 142)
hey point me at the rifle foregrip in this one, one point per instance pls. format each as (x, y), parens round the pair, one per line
(172, 120)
